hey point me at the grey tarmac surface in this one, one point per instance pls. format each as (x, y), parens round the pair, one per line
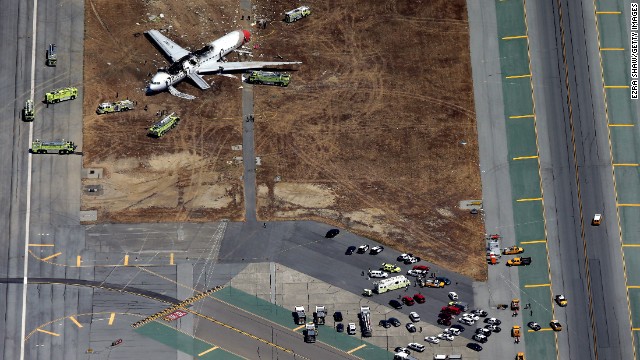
(569, 212)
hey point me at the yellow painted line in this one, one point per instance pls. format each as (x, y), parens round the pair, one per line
(633, 287)
(533, 242)
(126, 260)
(543, 329)
(208, 351)
(635, 329)
(537, 285)
(514, 37)
(171, 259)
(629, 205)
(531, 199)
(607, 12)
(518, 76)
(621, 125)
(630, 245)
(75, 321)
(616, 86)
(525, 157)
(356, 349)
(51, 256)
(111, 318)
(40, 245)
(78, 261)
(611, 49)
(521, 116)
(626, 164)
(48, 332)
(298, 328)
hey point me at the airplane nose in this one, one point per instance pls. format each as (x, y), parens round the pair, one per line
(247, 35)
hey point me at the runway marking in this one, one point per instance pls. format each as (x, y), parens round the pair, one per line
(78, 261)
(299, 327)
(514, 37)
(52, 256)
(616, 86)
(630, 245)
(635, 329)
(40, 245)
(537, 285)
(529, 199)
(518, 76)
(126, 260)
(543, 329)
(611, 49)
(75, 321)
(48, 332)
(608, 13)
(356, 349)
(112, 318)
(525, 157)
(171, 259)
(208, 351)
(626, 164)
(533, 242)
(628, 205)
(612, 125)
(521, 116)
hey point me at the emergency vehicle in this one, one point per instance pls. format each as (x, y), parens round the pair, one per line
(55, 96)
(269, 78)
(28, 113)
(61, 147)
(163, 126)
(297, 14)
(52, 56)
(123, 105)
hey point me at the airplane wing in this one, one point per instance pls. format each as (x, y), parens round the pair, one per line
(245, 65)
(198, 80)
(171, 49)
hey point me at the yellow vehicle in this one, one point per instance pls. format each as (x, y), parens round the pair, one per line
(515, 304)
(432, 283)
(55, 96)
(555, 325)
(520, 356)
(515, 331)
(514, 250)
(390, 268)
(561, 300)
(519, 261)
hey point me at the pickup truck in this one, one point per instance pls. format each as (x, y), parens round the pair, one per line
(512, 250)
(519, 261)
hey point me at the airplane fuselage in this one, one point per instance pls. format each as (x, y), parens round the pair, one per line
(212, 52)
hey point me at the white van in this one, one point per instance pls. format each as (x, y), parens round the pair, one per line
(439, 357)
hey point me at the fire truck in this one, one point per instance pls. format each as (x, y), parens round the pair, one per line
(297, 14)
(55, 96)
(61, 147)
(28, 114)
(123, 105)
(163, 126)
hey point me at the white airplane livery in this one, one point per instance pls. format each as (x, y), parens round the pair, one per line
(209, 59)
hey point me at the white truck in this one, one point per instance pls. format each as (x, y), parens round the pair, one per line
(310, 333)
(365, 321)
(319, 314)
(393, 283)
(299, 315)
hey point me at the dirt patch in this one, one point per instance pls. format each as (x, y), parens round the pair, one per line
(376, 132)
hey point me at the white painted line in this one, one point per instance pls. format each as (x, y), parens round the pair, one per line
(29, 165)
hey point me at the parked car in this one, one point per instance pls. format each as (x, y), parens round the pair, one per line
(555, 325)
(416, 273)
(378, 274)
(414, 316)
(395, 304)
(453, 331)
(447, 337)
(451, 310)
(445, 280)
(337, 316)
(384, 323)
(432, 339)
(407, 300)
(411, 328)
(415, 346)
(471, 315)
(493, 328)
(350, 250)
(474, 346)
(390, 267)
(459, 327)
(445, 322)
(351, 329)
(363, 249)
(340, 327)
(376, 250)
(534, 326)
(421, 267)
(419, 298)
(411, 260)
(480, 312)
(395, 322)
(493, 321)
(483, 331)
(332, 233)
(401, 257)
(402, 349)
(466, 321)
(480, 338)
(453, 296)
